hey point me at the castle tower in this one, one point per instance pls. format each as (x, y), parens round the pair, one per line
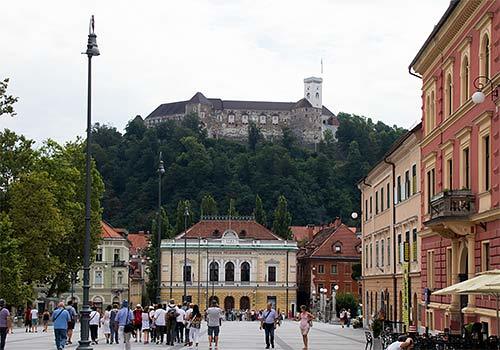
(312, 91)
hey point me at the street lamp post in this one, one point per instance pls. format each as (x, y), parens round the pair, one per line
(186, 215)
(322, 302)
(334, 302)
(161, 171)
(92, 50)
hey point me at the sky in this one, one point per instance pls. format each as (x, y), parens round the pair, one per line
(154, 52)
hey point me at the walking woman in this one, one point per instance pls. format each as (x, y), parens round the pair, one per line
(145, 325)
(194, 327)
(45, 320)
(305, 318)
(106, 324)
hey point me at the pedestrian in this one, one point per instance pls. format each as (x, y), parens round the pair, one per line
(71, 324)
(194, 318)
(45, 320)
(60, 319)
(27, 319)
(214, 317)
(113, 324)
(124, 317)
(181, 313)
(145, 323)
(159, 318)
(403, 342)
(94, 324)
(5, 323)
(106, 328)
(187, 323)
(348, 318)
(34, 320)
(137, 322)
(268, 322)
(152, 325)
(171, 322)
(343, 317)
(305, 318)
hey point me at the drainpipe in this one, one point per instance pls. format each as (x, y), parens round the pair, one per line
(411, 73)
(394, 281)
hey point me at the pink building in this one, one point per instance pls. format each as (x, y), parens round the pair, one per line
(460, 158)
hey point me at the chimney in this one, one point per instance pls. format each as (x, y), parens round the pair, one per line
(310, 232)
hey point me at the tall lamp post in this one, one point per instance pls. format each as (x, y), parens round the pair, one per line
(161, 171)
(186, 215)
(334, 302)
(322, 302)
(92, 50)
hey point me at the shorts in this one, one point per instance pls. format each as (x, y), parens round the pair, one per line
(34, 322)
(138, 326)
(71, 324)
(213, 331)
(27, 323)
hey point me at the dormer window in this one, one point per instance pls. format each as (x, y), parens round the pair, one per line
(230, 119)
(244, 119)
(275, 119)
(215, 233)
(263, 119)
(338, 249)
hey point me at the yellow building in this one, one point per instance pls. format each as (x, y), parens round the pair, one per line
(236, 261)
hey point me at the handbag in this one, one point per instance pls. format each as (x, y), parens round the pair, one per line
(129, 327)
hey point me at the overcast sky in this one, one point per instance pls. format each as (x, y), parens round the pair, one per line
(154, 52)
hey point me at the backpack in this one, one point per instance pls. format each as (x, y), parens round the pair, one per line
(171, 314)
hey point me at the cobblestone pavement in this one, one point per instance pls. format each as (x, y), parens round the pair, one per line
(234, 336)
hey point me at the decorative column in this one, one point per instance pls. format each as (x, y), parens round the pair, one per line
(455, 318)
(471, 242)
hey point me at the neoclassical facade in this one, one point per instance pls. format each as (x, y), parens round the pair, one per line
(307, 118)
(460, 202)
(235, 261)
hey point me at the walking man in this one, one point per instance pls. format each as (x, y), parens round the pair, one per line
(34, 320)
(268, 322)
(71, 324)
(214, 316)
(4, 323)
(60, 319)
(113, 324)
(123, 318)
(159, 320)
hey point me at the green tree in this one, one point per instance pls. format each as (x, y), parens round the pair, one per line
(282, 219)
(346, 301)
(259, 213)
(180, 216)
(254, 136)
(208, 206)
(6, 101)
(232, 208)
(12, 264)
(39, 224)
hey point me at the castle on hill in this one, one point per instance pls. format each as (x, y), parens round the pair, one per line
(307, 118)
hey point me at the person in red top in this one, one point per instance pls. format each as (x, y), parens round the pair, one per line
(138, 322)
(27, 319)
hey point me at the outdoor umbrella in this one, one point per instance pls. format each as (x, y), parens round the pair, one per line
(484, 283)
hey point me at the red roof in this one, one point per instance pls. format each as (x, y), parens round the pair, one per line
(110, 232)
(139, 242)
(215, 229)
(304, 233)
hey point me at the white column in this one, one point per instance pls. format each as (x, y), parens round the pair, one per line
(471, 241)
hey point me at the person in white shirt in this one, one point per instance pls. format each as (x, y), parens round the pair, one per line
(403, 342)
(152, 324)
(34, 320)
(94, 324)
(187, 323)
(159, 319)
(181, 313)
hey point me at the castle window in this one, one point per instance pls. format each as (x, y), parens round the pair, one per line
(230, 119)
(275, 119)
(263, 119)
(317, 95)
(244, 119)
(465, 79)
(485, 56)
(308, 95)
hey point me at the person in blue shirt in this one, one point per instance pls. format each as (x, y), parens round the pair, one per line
(268, 322)
(60, 319)
(124, 317)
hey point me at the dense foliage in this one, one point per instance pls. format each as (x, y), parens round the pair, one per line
(42, 202)
(318, 184)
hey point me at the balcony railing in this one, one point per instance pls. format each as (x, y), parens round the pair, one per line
(119, 263)
(456, 204)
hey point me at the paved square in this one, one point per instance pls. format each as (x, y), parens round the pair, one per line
(234, 336)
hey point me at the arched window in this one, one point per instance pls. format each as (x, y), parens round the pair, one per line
(433, 109)
(119, 278)
(229, 272)
(428, 126)
(263, 119)
(486, 56)
(244, 119)
(317, 95)
(245, 272)
(308, 95)
(449, 95)
(465, 79)
(98, 277)
(214, 271)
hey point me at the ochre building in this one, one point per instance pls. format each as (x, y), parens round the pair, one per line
(235, 261)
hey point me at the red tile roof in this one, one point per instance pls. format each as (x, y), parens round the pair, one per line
(248, 229)
(139, 242)
(304, 233)
(109, 232)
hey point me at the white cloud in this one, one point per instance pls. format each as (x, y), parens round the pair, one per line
(159, 51)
